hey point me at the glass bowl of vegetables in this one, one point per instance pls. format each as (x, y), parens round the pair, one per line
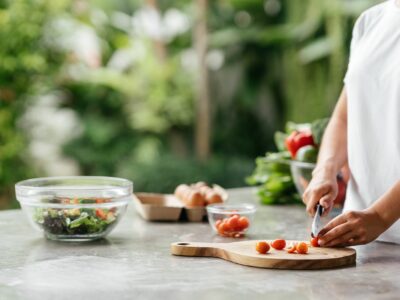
(231, 220)
(75, 208)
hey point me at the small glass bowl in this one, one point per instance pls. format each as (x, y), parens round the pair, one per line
(74, 208)
(231, 220)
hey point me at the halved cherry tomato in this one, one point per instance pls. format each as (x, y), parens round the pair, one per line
(262, 247)
(292, 249)
(278, 244)
(314, 242)
(302, 248)
(101, 213)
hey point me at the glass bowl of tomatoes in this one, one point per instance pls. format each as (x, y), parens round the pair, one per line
(231, 220)
(74, 208)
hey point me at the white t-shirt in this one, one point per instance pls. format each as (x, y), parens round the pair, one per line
(373, 89)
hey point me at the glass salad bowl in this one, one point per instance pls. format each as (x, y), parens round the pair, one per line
(76, 208)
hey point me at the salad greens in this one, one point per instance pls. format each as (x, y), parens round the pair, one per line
(272, 173)
(75, 221)
(273, 176)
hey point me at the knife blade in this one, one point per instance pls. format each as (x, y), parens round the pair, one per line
(317, 224)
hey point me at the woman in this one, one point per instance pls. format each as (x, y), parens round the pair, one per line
(364, 132)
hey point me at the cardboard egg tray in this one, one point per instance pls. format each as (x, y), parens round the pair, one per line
(162, 207)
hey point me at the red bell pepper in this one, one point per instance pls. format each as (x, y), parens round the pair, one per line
(298, 139)
(341, 196)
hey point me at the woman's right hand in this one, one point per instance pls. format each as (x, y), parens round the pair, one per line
(323, 189)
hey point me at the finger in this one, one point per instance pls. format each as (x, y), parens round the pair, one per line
(342, 241)
(332, 224)
(313, 201)
(327, 203)
(336, 233)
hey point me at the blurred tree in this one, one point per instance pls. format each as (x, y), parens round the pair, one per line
(291, 55)
(26, 66)
(267, 61)
(203, 111)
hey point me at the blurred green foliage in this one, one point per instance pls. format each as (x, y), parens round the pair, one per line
(23, 62)
(270, 61)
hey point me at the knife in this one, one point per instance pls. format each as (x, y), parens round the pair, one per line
(316, 224)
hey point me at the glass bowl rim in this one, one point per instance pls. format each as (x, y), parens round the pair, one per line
(26, 188)
(222, 208)
(301, 164)
(24, 184)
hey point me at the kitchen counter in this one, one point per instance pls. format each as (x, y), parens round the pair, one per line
(134, 263)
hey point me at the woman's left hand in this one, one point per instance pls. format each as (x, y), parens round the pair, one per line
(352, 228)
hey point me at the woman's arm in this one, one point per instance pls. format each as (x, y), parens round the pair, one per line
(332, 157)
(356, 228)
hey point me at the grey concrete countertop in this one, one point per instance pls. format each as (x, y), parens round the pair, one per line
(134, 263)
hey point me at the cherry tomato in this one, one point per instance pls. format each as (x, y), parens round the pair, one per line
(221, 229)
(278, 244)
(243, 223)
(217, 223)
(314, 242)
(234, 222)
(302, 248)
(225, 226)
(262, 247)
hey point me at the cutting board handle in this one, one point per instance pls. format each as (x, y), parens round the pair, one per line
(195, 249)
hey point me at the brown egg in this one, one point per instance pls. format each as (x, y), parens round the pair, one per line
(213, 197)
(204, 190)
(180, 190)
(195, 199)
(200, 184)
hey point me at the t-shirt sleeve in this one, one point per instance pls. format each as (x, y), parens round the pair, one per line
(358, 31)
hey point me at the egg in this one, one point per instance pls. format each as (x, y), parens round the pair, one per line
(200, 184)
(213, 197)
(195, 199)
(180, 190)
(204, 190)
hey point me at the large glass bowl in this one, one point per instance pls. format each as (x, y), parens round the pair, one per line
(301, 174)
(76, 208)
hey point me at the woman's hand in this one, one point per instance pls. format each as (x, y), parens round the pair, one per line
(322, 189)
(352, 228)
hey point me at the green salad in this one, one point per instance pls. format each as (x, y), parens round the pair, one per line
(75, 221)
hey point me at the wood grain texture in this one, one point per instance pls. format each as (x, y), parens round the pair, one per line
(244, 253)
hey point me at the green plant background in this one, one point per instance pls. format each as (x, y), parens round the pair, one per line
(283, 60)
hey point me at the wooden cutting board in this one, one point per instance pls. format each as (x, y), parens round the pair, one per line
(244, 253)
